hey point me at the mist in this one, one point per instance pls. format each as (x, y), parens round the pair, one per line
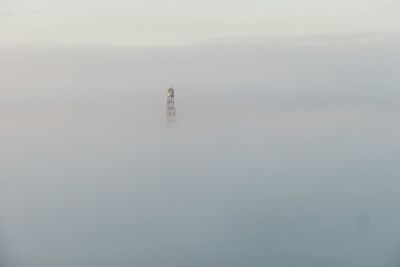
(285, 154)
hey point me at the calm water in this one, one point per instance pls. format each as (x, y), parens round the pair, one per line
(273, 172)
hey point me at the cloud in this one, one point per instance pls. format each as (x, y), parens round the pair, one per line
(314, 39)
(6, 15)
(13, 14)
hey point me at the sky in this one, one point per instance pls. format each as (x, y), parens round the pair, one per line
(177, 22)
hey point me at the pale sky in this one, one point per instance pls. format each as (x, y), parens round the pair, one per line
(176, 22)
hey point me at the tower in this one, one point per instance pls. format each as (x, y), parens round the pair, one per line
(171, 120)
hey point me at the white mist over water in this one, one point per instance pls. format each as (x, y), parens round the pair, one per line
(284, 155)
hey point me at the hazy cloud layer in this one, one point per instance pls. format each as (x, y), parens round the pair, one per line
(286, 154)
(5, 15)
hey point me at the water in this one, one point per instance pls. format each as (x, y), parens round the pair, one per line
(263, 169)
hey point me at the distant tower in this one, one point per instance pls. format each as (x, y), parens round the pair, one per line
(171, 120)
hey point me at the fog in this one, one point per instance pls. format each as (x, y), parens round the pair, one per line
(285, 154)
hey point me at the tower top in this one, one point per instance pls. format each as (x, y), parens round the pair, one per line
(170, 92)
(171, 108)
